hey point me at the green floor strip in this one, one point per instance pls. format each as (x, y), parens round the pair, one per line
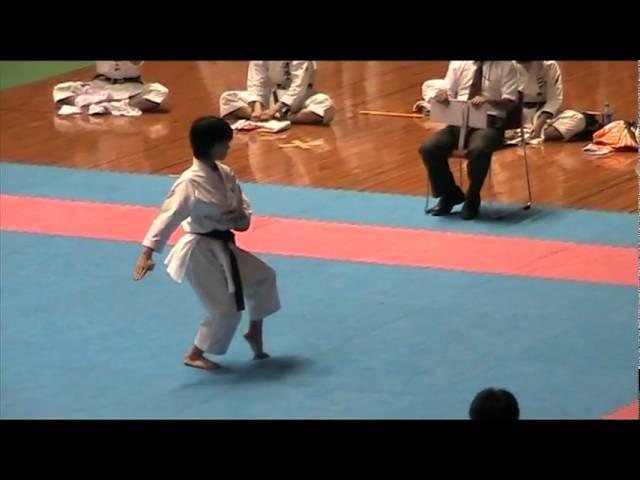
(13, 74)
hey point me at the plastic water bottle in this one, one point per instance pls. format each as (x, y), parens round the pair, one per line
(607, 115)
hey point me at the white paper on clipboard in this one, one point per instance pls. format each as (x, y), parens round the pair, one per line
(478, 116)
(452, 113)
(459, 113)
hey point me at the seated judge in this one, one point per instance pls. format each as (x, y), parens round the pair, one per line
(492, 83)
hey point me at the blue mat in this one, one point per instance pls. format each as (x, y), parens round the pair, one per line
(79, 339)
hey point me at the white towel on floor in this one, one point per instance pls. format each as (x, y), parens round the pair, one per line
(273, 126)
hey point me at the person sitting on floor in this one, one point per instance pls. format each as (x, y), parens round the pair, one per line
(544, 116)
(280, 90)
(116, 89)
(494, 404)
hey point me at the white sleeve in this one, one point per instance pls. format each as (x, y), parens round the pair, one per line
(510, 83)
(451, 80)
(553, 93)
(257, 79)
(431, 87)
(301, 72)
(65, 90)
(155, 92)
(522, 77)
(240, 201)
(175, 209)
(245, 221)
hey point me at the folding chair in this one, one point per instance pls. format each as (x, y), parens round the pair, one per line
(513, 121)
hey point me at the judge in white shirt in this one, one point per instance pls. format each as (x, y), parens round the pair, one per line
(279, 90)
(494, 83)
(209, 204)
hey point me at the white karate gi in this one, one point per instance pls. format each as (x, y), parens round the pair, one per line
(198, 200)
(431, 87)
(115, 84)
(429, 90)
(541, 83)
(290, 81)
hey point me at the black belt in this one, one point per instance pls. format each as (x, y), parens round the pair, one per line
(229, 238)
(532, 104)
(115, 81)
(282, 87)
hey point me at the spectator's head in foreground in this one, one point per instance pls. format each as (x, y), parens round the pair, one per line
(494, 404)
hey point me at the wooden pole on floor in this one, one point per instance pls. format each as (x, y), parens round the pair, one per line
(391, 114)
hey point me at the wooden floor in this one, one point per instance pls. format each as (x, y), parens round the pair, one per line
(358, 152)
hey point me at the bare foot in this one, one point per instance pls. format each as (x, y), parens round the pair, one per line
(256, 346)
(200, 362)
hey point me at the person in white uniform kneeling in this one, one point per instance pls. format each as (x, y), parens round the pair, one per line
(280, 90)
(208, 201)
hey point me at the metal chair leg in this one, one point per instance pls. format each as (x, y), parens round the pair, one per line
(492, 196)
(427, 210)
(526, 168)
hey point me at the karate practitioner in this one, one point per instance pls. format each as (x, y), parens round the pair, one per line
(117, 89)
(208, 201)
(541, 84)
(279, 90)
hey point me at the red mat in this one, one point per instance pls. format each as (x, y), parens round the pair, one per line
(630, 412)
(335, 241)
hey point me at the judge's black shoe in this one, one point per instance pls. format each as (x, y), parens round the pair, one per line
(470, 210)
(447, 202)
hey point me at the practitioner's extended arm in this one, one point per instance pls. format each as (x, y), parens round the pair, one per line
(554, 96)
(175, 209)
(257, 86)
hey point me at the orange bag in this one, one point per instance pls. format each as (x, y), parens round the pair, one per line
(618, 135)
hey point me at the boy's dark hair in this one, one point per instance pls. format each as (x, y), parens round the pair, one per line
(207, 132)
(494, 404)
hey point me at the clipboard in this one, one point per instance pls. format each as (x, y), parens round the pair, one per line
(478, 116)
(460, 113)
(451, 113)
